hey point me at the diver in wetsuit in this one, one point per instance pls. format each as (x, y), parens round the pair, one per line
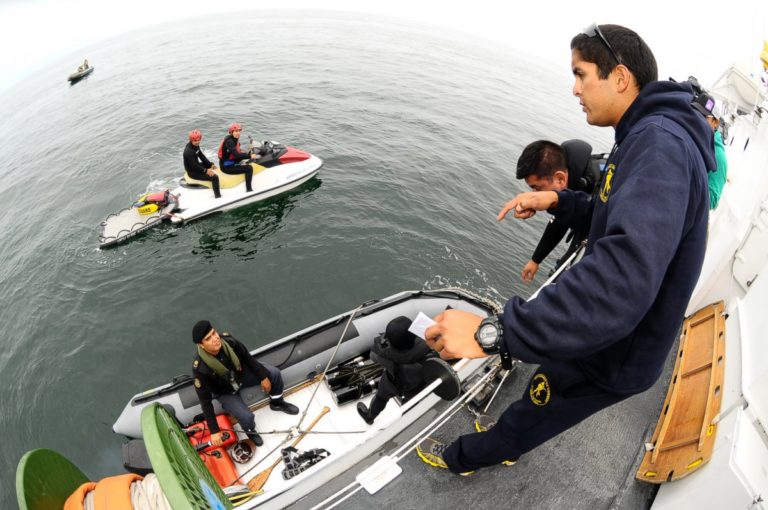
(547, 166)
(401, 354)
(232, 160)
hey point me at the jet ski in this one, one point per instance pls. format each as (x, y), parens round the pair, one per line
(279, 168)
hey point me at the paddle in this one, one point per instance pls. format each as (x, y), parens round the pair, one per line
(258, 481)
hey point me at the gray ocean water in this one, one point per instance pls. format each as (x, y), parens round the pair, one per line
(419, 129)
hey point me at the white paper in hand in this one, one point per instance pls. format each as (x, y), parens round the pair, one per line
(420, 325)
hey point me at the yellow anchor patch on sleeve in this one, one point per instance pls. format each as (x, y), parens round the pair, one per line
(197, 382)
(605, 190)
(195, 363)
(539, 391)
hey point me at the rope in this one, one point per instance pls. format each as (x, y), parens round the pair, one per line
(317, 386)
(328, 365)
(147, 494)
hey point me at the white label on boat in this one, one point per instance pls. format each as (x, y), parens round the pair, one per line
(420, 325)
(379, 474)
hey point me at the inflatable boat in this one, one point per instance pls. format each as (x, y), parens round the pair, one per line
(79, 75)
(278, 169)
(327, 371)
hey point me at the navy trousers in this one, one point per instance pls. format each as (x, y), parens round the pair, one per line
(236, 406)
(557, 398)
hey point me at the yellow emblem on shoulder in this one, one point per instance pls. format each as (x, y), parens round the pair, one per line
(606, 189)
(539, 391)
(197, 382)
(196, 363)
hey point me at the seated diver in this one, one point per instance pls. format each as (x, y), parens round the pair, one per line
(232, 160)
(401, 354)
(197, 165)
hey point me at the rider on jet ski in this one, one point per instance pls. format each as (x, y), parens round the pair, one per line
(197, 165)
(232, 160)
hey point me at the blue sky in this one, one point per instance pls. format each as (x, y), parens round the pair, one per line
(687, 37)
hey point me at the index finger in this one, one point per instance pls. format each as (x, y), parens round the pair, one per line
(504, 210)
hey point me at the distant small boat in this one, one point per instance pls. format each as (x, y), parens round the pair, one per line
(80, 74)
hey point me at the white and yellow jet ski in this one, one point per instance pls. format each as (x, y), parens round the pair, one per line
(278, 169)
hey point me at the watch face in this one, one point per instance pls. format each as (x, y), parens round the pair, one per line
(487, 335)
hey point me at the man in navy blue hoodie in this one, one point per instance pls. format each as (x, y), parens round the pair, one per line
(603, 333)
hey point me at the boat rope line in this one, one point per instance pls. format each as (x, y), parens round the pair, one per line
(328, 365)
(563, 267)
(406, 448)
(498, 388)
(290, 433)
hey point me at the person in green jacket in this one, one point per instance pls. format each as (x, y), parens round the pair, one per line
(712, 111)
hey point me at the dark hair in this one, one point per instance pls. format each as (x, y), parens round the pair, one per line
(541, 158)
(630, 47)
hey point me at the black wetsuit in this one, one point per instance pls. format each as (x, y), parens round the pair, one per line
(583, 173)
(403, 372)
(232, 161)
(196, 165)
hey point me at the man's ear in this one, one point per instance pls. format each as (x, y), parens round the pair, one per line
(560, 177)
(623, 77)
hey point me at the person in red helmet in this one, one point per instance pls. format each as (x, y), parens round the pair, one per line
(232, 160)
(197, 165)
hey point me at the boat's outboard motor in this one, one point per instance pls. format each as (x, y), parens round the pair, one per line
(135, 457)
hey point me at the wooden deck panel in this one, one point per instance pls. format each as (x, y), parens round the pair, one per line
(685, 435)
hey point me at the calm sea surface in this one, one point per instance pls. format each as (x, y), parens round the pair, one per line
(419, 131)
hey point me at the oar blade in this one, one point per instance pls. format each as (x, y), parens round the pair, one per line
(257, 482)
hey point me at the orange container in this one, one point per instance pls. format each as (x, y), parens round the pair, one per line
(221, 465)
(203, 434)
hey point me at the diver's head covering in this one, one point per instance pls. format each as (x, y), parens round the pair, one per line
(398, 335)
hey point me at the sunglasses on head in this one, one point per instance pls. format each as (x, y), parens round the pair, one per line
(594, 30)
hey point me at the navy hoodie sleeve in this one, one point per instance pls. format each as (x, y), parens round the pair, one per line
(573, 210)
(602, 299)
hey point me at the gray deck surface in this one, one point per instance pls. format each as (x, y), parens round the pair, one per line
(591, 466)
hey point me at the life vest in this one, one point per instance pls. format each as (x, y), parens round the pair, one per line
(230, 157)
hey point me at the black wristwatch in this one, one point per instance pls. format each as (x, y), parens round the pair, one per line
(489, 334)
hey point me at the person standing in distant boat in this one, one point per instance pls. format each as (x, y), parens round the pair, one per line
(547, 166)
(232, 160)
(604, 331)
(197, 165)
(221, 368)
(84, 66)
